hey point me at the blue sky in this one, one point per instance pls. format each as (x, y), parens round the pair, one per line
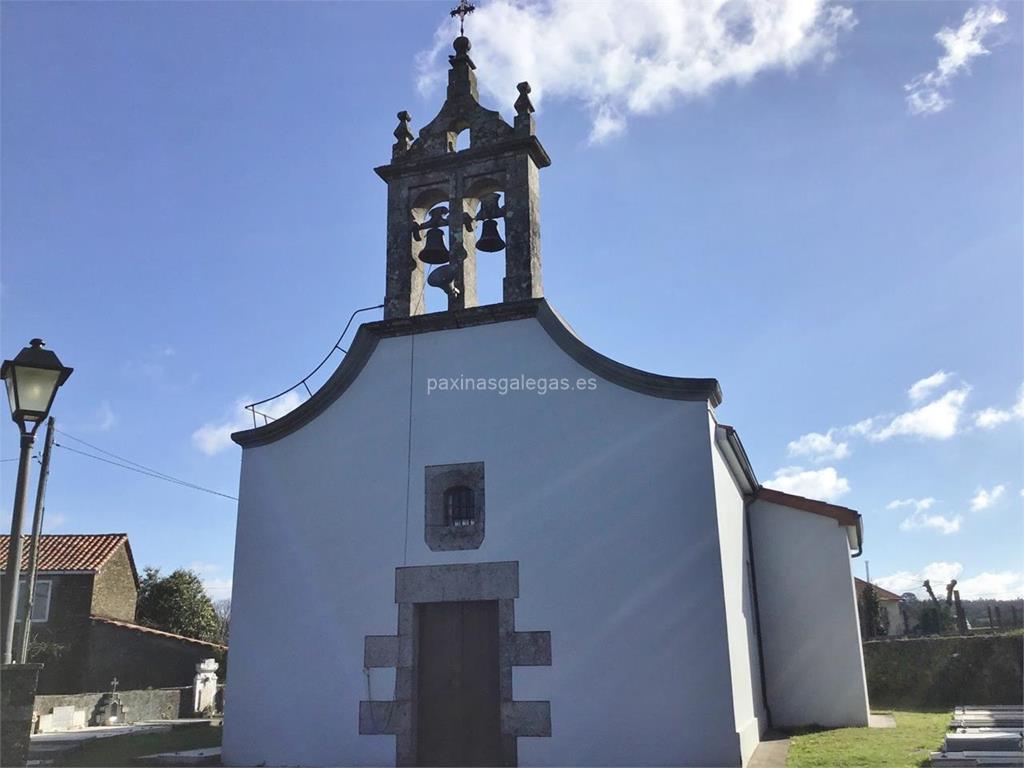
(819, 207)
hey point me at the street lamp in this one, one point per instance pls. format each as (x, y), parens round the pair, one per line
(32, 380)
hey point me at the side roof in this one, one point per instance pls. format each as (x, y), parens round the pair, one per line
(728, 441)
(369, 334)
(844, 516)
(86, 552)
(131, 627)
(883, 594)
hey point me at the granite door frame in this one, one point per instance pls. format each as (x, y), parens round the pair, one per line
(454, 583)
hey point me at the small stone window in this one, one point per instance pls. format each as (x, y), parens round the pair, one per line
(459, 507)
(454, 508)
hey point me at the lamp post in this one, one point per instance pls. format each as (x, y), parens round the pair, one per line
(32, 379)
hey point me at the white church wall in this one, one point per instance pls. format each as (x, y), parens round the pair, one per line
(605, 497)
(739, 604)
(814, 666)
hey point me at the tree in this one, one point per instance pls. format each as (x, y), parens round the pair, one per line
(873, 622)
(223, 611)
(178, 604)
(934, 619)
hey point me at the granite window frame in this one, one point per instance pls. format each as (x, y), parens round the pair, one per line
(439, 479)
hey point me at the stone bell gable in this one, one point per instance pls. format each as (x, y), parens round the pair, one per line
(462, 189)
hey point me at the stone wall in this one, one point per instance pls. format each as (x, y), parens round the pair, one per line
(17, 689)
(943, 672)
(140, 659)
(114, 591)
(150, 704)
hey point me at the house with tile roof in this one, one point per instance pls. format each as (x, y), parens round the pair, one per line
(890, 602)
(83, 620)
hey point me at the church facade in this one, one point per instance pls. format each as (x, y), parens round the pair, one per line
(482, 542)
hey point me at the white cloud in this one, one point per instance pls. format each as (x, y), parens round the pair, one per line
(927, 93)
(105, 417)
(939, 574)
(633, 58)
(937, 420)
(990, 418)
(217, 587)
(941, 523)
(819, 447)
(984, 499)
(608, 123)
(54, 522)
(824, 484)
(919, 390)
(862, 428)
(215, 436)
(999, 585)
(920, 518)
(919, 505)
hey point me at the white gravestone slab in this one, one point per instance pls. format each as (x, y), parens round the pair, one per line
(63, 718)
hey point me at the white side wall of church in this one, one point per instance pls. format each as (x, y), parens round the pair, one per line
(604, 496)
(814, 666)
(739, 605)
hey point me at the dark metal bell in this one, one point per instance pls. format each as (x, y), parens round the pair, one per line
(490, 240)
(444, 278)
(435, 251)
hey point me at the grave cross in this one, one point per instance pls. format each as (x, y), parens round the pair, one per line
(113, 685)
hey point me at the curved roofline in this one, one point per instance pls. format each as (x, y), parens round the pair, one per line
(369, 334)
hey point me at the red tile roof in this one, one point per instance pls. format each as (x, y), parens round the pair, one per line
(70, 552)
(883, 594)
(842, 515)
(151, 631)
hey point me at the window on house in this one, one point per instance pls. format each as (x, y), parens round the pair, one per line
(459, 507)
(40, 603)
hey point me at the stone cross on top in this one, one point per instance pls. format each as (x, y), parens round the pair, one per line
(442, 193)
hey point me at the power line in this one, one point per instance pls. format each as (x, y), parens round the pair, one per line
(155, 475)
(114, 455)
(134, 466)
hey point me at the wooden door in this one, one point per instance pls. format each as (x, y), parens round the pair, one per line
(458, 715)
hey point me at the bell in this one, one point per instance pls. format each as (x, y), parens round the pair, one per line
(435, 251)
(444, 278)
(490, 240)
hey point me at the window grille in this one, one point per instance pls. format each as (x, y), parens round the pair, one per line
(459, 507)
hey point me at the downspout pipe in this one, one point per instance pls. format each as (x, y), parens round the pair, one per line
(860, 537)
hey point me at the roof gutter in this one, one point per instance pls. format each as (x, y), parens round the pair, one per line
(739, 465)
(736, 458)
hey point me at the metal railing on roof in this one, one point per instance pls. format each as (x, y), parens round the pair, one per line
(304, 382)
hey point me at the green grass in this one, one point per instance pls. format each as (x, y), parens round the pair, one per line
(120, 751)
(906, 746)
